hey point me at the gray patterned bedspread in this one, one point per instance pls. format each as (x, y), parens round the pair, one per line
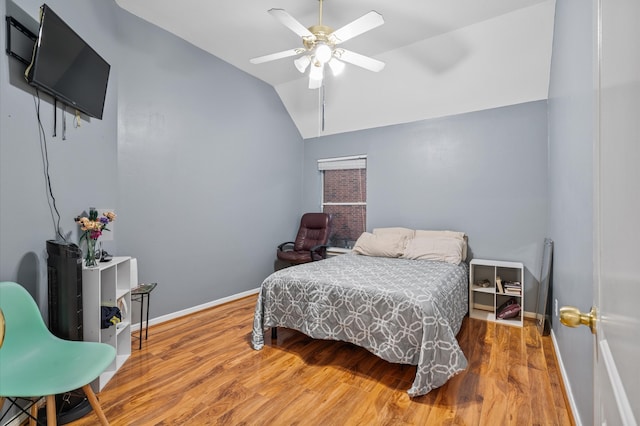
(404, 311)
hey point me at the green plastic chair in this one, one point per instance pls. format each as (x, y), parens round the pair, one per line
(35, 363)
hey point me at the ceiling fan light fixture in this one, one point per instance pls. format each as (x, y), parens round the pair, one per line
(302, 63)
(323, 53)
(336, 66)
(316, 72)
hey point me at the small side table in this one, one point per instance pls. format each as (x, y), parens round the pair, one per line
(335, 251)
(138, 294)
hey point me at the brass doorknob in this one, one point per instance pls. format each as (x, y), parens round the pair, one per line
(572, 317)
(2, 328)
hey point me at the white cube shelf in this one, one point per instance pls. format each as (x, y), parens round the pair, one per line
(484, 301)
(108, 284)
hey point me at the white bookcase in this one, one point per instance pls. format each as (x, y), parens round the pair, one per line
(484, 300)
(108, 284)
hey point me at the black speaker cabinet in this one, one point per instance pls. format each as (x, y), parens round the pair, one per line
(64, 268)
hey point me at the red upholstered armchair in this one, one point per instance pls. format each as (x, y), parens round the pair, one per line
(311, 241)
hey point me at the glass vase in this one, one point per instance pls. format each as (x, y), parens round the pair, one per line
(90, 260)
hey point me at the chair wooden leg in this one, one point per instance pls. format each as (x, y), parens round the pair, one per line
(52, 417)
(33, 420)
(93, 400)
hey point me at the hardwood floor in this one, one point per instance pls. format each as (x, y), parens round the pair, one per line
(201, 370)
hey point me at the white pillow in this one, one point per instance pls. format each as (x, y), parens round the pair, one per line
(386, 245)
(408, 233)
(445, 249)
(398, 231)
(430, 233)
(446, 234)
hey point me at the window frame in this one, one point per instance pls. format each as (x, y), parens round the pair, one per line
(343, 163)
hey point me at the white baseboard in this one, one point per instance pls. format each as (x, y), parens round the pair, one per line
(178, 314)
(565, 381)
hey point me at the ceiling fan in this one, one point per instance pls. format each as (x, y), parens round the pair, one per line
(320, 43)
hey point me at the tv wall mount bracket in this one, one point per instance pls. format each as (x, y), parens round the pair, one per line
(13, 24)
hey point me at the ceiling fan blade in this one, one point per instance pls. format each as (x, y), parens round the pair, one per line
(291, 22)
(363, 24)
(360, 60)
(274, 56)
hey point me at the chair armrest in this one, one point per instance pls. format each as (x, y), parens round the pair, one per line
(321, 250)
(281, 246)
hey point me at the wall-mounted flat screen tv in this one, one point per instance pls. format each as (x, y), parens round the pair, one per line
(66, 67)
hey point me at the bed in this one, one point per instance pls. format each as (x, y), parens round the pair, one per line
(402, 309)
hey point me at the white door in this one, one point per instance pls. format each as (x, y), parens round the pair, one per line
(617, 216)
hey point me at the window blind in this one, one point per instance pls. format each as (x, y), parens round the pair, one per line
(343, 163)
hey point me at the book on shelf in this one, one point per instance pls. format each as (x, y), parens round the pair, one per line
(499, 285)
(513, 291)
(513, 286)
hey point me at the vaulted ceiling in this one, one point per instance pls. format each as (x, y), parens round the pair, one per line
(442, 57)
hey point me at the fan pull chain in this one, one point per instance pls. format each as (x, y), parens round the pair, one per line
(319, 111)
(321, 104)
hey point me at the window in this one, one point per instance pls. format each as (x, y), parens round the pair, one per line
(344, 196)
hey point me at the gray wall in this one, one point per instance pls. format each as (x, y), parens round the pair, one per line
(200, 161)
(571, 141)
(80, 167)
(209, 169)
(484, 173)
